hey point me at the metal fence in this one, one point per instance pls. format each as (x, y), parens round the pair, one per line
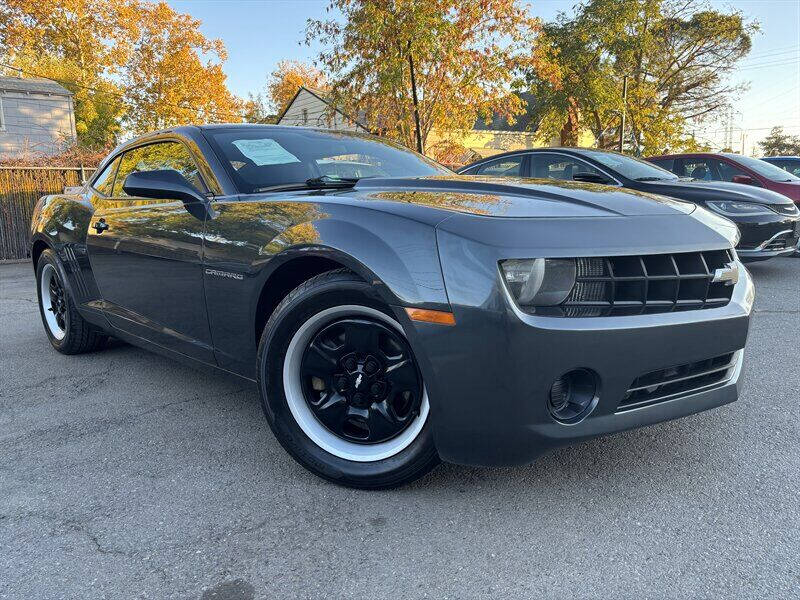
(20, 189)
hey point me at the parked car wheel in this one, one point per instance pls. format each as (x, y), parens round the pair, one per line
(341, 388)
(66, 329)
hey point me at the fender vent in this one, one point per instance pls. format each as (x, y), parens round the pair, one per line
(73, 268)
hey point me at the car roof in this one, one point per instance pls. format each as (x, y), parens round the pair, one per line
(563, 149)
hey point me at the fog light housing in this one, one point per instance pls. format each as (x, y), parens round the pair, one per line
(573, 396)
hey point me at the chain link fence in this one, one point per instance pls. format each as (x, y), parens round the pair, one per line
(20, 189)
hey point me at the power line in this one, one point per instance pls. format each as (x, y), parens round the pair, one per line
(769, 64)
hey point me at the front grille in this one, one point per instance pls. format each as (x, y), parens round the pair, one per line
(654, 283)
(665, 384)
(782, 242)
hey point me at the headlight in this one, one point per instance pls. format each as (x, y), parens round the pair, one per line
(737, 209)
(539, 281)
(725, 227)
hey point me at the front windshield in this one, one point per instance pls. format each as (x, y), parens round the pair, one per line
(629, 167)
(264, 158)
(764, 168)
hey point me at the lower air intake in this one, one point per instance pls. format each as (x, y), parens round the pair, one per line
(672, 382)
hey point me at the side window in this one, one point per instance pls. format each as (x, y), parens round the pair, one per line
(697, 168)
(155, 157)
(103, 182)
(509, 166)
(558, 166)
(664, 163)
(727, 170)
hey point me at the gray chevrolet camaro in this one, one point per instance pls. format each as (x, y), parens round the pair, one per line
(394, 314)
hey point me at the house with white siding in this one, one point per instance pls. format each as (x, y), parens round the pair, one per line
(310, 108)
(37, 116)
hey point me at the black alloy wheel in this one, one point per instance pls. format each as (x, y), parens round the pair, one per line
(361, 381)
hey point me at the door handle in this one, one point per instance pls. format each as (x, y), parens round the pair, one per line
(100, 225)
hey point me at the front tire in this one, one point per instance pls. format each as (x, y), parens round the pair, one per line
(341, 388)
(67, 330)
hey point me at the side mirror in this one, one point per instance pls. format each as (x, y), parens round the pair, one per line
(745, 179)
(161, 185)
(587, 177)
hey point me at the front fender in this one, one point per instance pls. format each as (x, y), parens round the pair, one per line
(251, 240)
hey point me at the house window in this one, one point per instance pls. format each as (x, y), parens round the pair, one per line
(305, 116)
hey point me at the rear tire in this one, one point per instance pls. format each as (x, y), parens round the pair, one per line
(67, 330)
(377, 433)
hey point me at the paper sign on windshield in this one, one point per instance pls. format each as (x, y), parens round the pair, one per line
(265, 151)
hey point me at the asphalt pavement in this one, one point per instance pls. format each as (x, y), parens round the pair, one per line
(126, 475)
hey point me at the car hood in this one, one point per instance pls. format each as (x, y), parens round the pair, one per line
(700, 191)
(516, 197)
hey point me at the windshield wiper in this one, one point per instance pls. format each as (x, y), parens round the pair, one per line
(324, 181)
(652, 179)
(315, 183)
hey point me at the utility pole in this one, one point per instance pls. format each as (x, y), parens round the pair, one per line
(624, 110)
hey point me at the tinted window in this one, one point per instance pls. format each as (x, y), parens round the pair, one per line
(664, 163)
(787, 164)
(558, 166)
(105, 179)
(696, 168)
(260, 158)
(510, 166)
(728, 171)
(155, 157)
(765, 169)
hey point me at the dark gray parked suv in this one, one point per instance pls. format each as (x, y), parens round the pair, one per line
(392, 313)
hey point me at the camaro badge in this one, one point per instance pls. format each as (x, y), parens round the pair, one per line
(729, 274)
(227, 274)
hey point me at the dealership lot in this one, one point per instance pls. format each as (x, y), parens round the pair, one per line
(126, 475)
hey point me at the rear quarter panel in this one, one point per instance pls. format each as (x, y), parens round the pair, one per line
(61, 221)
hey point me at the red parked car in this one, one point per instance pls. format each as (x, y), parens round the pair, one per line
(731, 167)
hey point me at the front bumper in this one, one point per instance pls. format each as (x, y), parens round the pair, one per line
(768, 236)
(489, 376)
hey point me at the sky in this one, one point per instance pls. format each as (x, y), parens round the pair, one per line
(259, 33)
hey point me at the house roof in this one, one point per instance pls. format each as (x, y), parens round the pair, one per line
(32, 85)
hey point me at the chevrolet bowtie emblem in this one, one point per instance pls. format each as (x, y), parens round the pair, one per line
(728, 274)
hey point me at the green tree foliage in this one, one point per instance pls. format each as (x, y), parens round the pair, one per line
(408, 65)
(779, 143)
(677, 55)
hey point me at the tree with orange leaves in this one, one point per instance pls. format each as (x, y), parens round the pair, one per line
(411, 66)
(174, 73)
(287, 78)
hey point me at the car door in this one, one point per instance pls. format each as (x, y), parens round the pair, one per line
(146, 255)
